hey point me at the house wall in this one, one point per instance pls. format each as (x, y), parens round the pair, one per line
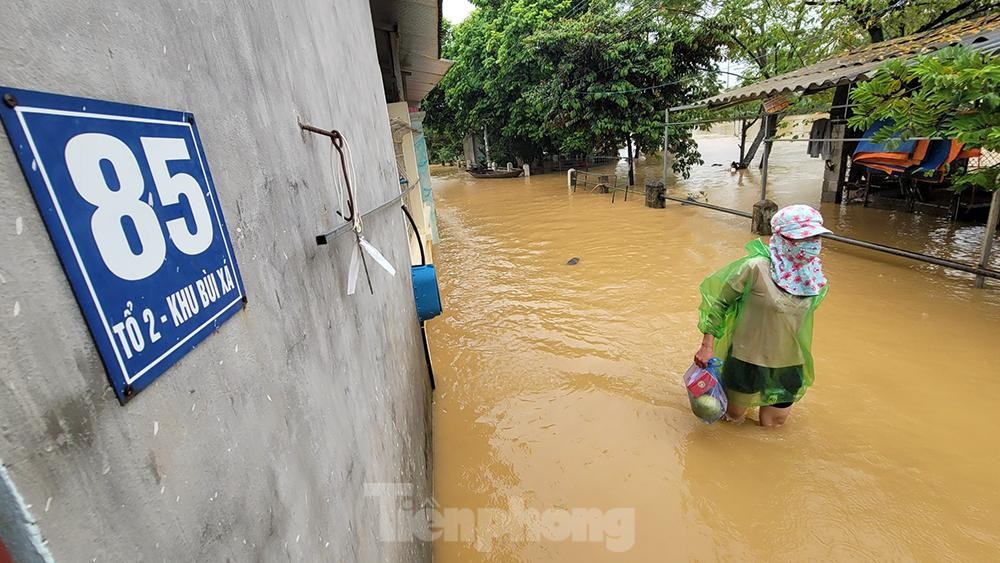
(256, 445)
(400, 111)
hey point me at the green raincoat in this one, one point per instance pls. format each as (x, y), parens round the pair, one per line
(760, 326)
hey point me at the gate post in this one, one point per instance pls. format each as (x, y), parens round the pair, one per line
(763, 210)
(655, 192)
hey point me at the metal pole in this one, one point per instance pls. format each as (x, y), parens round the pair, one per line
(327, 237)
(979, 271)
(766, 157)
(846, 139)
(915, 256)
(708, 206)
(666, 139)
(991, 231)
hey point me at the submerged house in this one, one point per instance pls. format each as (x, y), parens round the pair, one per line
(408, 44)
(842, 71)
(839, 73)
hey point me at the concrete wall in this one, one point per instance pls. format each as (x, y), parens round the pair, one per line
(256, 445)
(400, 111)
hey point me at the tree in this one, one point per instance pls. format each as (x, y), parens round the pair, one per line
(488, 86)
(442, 130)
(572, 76)
(771, 37)
(612, 69)
(888, 19)
(953, 93)
(444, 140)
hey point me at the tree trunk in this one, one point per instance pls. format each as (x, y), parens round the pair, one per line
(876, 33)
(743, 141)
(752, 150)
(762, 133)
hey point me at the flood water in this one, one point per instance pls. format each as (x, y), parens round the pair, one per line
(558, 386)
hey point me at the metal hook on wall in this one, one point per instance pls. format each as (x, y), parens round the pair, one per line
(337, 140)
(362, 245)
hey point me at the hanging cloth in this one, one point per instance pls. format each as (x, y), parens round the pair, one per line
(819, 139)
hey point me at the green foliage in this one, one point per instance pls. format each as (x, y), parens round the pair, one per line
(488, 86)
(444, 140)
(581, 76)
(770, 37)
(611, 71)
(953, 93)
(873, 21)
(766, 38)
(572, 76)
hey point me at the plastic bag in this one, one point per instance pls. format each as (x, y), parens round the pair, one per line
(708, 399)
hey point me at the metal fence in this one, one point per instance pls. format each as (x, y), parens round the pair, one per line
(601, 182)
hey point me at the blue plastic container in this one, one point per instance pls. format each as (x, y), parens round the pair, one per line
(715, 368)
(425, 291)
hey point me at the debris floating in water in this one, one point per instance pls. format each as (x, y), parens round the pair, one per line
(572, 261)
(697, 195)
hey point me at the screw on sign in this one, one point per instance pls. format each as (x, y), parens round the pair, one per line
(132, 211)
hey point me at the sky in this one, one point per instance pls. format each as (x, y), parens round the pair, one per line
(456, 10)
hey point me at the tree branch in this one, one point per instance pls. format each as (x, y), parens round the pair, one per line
(947, 14)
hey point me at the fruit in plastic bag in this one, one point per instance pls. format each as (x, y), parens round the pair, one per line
(707, 407)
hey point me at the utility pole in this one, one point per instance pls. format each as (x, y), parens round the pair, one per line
(764, 209)
(743, 140)
(486, 142)
(666, 141)
(631, 165)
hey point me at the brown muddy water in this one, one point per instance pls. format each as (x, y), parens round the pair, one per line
(558, 386)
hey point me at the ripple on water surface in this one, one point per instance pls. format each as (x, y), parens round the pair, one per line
(558, 385)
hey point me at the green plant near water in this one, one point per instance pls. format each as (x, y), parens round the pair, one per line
(953, 93)
(572, 76)
(556, 76)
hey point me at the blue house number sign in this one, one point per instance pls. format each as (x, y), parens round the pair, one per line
(130, 206)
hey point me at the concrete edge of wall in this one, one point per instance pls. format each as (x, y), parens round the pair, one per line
(21, 535)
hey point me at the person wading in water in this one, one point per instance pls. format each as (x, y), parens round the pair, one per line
(757, 314)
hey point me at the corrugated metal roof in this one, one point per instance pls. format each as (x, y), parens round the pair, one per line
(419, 49)
(981, 33)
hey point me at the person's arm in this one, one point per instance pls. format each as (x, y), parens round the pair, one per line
(718, 293)
(705, 353)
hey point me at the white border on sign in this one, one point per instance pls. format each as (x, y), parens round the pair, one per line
(72, 243)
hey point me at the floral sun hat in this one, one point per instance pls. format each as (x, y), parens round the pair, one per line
(795, 263)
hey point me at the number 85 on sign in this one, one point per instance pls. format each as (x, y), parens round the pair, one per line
(128, 200)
